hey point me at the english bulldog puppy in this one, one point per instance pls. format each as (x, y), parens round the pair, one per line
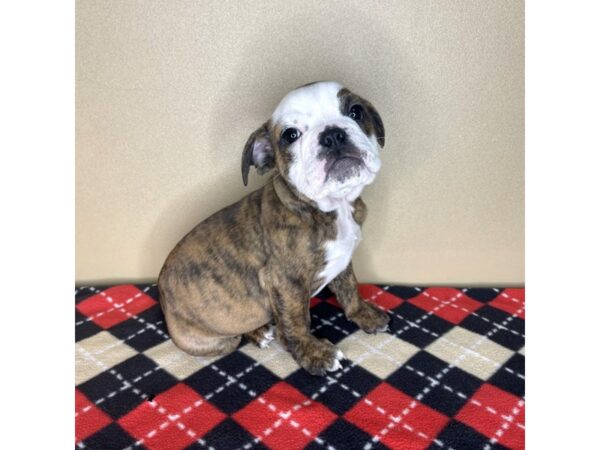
(259, 261)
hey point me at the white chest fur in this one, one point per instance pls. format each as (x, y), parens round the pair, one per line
(338, 252)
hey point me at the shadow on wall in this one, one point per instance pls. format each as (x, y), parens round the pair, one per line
(325, 53)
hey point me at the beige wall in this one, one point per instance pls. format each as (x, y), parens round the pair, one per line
(168, 91)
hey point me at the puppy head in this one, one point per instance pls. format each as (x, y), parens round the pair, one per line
(323, 139)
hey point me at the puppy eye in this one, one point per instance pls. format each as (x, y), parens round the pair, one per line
(356, 112)
(290, 135)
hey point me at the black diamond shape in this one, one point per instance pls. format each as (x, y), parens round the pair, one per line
(509, 376)
(429, 327)
(447, 393)
(114, 396)
(343, 435)
(146, 375)
(228, 434)
(411, 382)
(338, 394)
(84, 327)
(404, 292)
(227, 375)
(142, 336)
(333, 325)
(459, 436)
(484, 295)
(499, 327)
(109, 438)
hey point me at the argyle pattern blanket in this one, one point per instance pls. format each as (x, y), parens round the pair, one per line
(449, 374)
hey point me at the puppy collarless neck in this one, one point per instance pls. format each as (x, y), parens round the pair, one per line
(298, 203)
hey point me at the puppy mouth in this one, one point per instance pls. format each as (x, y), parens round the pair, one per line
(343, 166)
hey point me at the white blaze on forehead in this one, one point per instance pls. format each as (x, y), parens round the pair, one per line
(313, 103)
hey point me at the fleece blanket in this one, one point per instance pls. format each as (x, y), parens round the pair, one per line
(448, 374)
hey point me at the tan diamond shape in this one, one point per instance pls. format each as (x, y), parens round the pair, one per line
(273, 357)
(470, 351)
(175, 361)
(380, 353)
(93, 355)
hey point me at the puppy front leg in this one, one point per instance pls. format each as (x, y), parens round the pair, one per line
(368, 317)
(290, 306)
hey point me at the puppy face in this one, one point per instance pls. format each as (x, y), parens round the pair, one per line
(323, 139)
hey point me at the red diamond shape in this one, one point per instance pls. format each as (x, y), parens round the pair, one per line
(512, 301)
(89, 418)
(488, 412)
(115, 305)
(414, 428)
(280, 423)
(451, 304)
(174, 420)
(381, 297)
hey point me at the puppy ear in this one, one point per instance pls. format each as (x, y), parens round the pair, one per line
(258, 152)
(377, 123)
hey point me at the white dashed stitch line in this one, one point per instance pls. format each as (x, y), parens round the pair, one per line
(454, 344)
(132, 316)
(122, 341)
(473, 313)
(444, 371)
(456, 392)
(172, 418)
(515, 373)
(505, 295)
(383, 412)
(174, 360)
(144, 396)
(117, 306)
(508, 420)
(415, 324)
(283, 415)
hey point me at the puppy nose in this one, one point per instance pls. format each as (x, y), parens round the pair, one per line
(332, 137)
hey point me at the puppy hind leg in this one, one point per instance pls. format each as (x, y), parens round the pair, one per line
(197, 344)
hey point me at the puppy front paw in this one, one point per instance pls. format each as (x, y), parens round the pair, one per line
(370, 318)
(319, 356)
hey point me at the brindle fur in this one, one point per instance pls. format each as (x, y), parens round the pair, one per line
(256, 262)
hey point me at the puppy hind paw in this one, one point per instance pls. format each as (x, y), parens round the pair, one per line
(267, 338)
(262, 336)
